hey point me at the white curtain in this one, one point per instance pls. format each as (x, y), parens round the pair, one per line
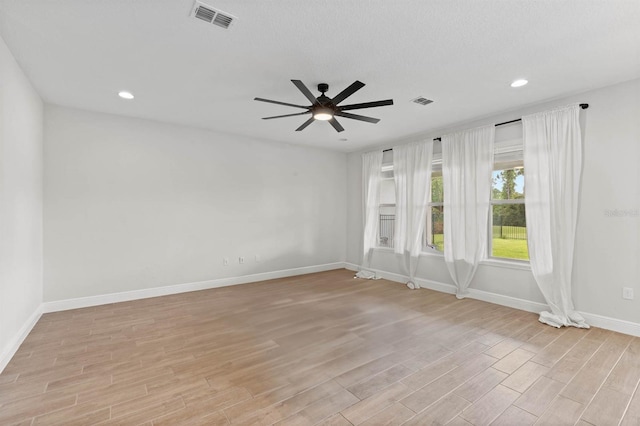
(552, 163)
(412, 176)
(467, 163)
(371, 175)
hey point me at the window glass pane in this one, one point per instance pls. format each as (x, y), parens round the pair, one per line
(386, 226)
(435, 228)
(387, 213)
(509, 232)
(508, 184)
(437, 190)
(509, 228)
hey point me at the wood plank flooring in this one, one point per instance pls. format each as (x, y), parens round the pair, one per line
(321, 349)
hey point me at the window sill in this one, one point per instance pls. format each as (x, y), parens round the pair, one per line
(422, 253)
(383, 249)
(506, 263)
(427, 252)
(500, 263)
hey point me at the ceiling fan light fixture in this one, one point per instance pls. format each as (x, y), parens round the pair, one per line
(323, 113)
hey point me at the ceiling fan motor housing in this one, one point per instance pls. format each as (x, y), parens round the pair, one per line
(326, 101)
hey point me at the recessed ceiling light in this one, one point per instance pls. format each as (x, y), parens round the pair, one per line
(125, 95)
(519, 83)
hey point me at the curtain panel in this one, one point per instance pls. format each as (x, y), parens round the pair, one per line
(412, 176)
(467, 163)
(552, 163)
(371, 176)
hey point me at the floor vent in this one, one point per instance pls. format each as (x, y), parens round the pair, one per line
(422, 100)
(211, 15)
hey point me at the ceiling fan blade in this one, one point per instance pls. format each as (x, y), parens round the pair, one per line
(306, 92)
(305, 124)
(336, 125)
(279, 103)
(357, 117)
(353, 88)
(367, 105)
(286, 115)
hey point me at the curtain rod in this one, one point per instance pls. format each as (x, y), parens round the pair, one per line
(583, 106)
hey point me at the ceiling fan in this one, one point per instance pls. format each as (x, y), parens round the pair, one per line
(327, 109)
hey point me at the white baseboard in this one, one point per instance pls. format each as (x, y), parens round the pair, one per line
(621, 326)
(12, 347)
(399, 278)
(608, 323)
(103, 299)
(512, 302)
(351, 266)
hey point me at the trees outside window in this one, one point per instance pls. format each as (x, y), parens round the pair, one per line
(434, 231)
(509, 227)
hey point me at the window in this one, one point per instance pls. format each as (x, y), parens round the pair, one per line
(434, 229)
(507, 216)
(508, 227)
(387, 203)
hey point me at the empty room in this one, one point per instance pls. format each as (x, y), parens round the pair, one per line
(319, 213)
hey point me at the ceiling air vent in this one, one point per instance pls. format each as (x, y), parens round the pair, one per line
(211, 15)
(422, 100)
(223, 20)
(205, 14)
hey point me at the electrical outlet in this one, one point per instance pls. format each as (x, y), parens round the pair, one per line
(627, 293)
(225, 261)
(258, 258)
(241, 260)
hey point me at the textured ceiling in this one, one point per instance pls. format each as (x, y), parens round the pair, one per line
(462, 54)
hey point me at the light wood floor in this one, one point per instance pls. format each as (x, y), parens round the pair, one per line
(317, 349)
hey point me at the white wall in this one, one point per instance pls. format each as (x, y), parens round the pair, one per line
(608, 248)
(132, 204)
(607, 255)
(20, 204)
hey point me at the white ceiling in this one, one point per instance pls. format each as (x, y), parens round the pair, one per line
(462, 54)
